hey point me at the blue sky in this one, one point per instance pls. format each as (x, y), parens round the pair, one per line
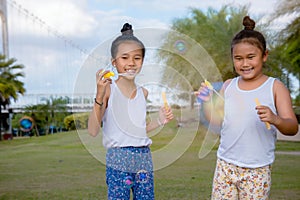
(86, 24)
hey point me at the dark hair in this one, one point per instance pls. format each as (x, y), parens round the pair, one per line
(127, 35)
(249, 35)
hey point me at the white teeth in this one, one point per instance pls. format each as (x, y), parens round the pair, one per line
(247, 69)
(130, 71)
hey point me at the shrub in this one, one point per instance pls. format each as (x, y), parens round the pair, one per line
(76, 121)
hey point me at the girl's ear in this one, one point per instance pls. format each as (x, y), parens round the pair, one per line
(113, 62)
(265, 55)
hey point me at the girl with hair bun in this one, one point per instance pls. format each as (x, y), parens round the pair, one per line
(121, 106)
(255, 108)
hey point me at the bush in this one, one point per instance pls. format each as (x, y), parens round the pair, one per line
(76, 121)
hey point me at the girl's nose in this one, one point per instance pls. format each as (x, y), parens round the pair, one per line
(131, 62)
(245, 62)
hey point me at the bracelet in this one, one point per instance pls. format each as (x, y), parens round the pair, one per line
(100, 104)
(159, 122)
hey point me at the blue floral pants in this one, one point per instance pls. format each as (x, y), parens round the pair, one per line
(129, 169)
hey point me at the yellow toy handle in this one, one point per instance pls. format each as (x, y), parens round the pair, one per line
(208, 84)
(109, 74)
(266, 123)
(163, 94)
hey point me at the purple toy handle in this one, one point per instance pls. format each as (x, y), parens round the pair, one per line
(203, 93)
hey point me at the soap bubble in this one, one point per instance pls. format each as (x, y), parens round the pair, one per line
(180, 46)
(188, 120)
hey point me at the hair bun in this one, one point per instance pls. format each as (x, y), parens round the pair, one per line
(127, 29)
(248, 23)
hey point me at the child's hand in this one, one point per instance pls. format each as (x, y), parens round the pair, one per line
(265, 114)
(102, 82)
(165, 115)
(204, 93)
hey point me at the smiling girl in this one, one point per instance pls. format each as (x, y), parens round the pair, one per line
(247, 145)
(121, 106)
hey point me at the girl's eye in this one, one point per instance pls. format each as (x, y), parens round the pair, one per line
(251, 56)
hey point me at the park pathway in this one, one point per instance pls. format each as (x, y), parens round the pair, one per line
(294, 153)
(295, 138)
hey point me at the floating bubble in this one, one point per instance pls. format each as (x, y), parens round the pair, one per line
(191, 52)
(180, 46)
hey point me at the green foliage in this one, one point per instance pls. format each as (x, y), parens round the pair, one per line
(15, 122)
(287, 42)
(70, 122)
(10, 86)
(52, 112)
(76, 121)
(213, 31)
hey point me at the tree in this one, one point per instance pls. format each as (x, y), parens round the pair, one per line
(10, 85)
(214, 31)
(57, 110)
(288, 39)
(52, 112)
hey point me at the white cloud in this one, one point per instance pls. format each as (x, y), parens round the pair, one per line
(68, 17)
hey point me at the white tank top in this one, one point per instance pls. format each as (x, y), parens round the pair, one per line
(124, 121)
(245, 140)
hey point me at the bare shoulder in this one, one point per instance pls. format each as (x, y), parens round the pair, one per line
(226, 83)
(145, 91)
(279, 84)
(281, 92)
(279, 88)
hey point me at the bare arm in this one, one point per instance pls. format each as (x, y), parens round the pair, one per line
(102, 96)
(213, 109)
(164, 116)
(285, 120)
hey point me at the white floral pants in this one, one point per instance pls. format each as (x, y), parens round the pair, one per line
(233, 182)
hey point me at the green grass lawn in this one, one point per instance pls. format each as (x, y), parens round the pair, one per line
(59, 166)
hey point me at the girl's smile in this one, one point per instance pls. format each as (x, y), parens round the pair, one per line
(129, 58)
(248, 60)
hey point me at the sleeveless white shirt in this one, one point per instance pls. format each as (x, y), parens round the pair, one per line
(245, 140)
(124, 121)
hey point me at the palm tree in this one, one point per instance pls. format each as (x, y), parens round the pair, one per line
(288, 39)
(10, 86)
(57, 110)
(52, 112)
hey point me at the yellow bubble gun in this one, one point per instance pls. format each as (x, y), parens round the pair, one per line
(208, 84)
(163, 94)
(109, 74)
(266, 123)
